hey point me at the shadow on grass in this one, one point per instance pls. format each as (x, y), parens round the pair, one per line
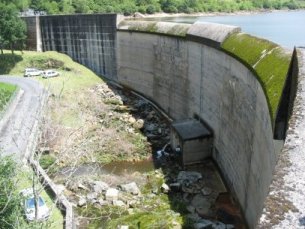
(8, 62)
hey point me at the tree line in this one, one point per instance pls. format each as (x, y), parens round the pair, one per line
(152, 6)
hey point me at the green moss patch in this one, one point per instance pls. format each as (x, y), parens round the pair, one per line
(268, 61)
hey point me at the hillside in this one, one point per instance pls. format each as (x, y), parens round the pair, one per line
(152, 6)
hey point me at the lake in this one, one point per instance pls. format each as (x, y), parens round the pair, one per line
(286, 28)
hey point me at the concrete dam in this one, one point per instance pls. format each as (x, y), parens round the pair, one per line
(192, 71)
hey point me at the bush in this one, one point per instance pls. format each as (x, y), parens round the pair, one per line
(170, 9)
(151, 9)
(46, 161)
(129, 10)
(292, 5)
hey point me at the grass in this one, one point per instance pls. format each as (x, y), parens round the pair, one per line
(73, 77)
(6, 92)
(269, 62)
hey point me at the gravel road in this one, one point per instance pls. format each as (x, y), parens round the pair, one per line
(19, 124)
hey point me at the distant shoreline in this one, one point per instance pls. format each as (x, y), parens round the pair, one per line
(207, 14)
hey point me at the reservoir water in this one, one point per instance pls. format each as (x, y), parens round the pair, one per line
(286, 28)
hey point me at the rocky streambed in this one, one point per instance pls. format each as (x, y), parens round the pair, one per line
(137, 188)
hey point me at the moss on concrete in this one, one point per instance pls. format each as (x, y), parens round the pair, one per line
(166, 28)
(269, 62)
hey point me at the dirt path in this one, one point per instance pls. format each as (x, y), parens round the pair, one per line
(19, 124)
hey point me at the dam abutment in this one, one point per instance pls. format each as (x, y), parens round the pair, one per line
(187, 73)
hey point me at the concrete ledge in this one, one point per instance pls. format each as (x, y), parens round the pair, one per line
(166, 28)
(211, 34)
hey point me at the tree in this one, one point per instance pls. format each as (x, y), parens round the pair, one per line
(13, 28)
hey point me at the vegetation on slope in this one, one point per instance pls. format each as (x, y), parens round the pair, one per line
(6, 92)
(152, 6)
(268, 60)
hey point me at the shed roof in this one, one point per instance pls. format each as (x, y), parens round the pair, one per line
(191, 129)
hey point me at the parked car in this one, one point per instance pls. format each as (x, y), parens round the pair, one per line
(49, 73)
(29, 206)
(28, 72)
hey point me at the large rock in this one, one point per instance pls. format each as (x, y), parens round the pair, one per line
(82, 201)
(165, 188)
(92, 197)
(204, 224)
(201, 204)
(100, 186)
(139, 124)
(118, 203)
(188, 177)
(112, 194)
(130, 188)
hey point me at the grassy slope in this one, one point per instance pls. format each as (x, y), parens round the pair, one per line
(73, 77)
(268, 60)
(6, 92)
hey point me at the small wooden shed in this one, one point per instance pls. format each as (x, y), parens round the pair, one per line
(192, 140)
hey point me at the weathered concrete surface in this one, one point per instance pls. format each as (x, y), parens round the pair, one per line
(212, 31)
(187, 78)
(88, 39)
(284, 207)
(33, 41)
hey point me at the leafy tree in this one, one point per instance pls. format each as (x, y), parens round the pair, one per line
(13, 29)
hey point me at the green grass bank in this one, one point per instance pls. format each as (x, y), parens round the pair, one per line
(6, 93)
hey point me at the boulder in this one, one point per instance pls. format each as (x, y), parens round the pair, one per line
(139, 124)
(206, 191)
(204, 224)
(100, 186)
(201, 204)
(92, 197)
(137, 15)
(130, 188)
(82, 201)
(165, 188)
(131, 120)
(188, 177)
(112, 194)
(81, 186)
(190, 209)
(118, 203)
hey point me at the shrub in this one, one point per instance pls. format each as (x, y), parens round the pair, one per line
(151, 9)
(46, 161)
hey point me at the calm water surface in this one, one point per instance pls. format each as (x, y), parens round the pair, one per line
(284, 28)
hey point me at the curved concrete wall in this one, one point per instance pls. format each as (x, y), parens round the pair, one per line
(183, 69)
(186, 78)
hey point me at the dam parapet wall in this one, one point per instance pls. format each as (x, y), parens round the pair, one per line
(188, 73)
